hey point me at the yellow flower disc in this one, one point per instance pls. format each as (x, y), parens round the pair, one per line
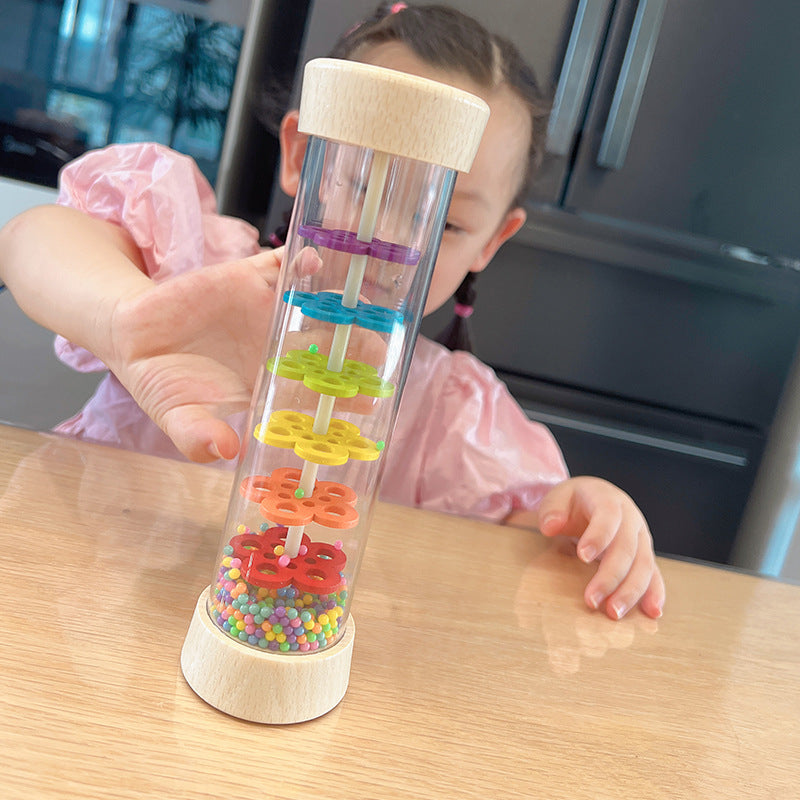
(363, 449)
(319, 451)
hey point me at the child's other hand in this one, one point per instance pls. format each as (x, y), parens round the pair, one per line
(609, 528)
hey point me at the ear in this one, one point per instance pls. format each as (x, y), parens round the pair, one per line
(293, 148)
(509, 225)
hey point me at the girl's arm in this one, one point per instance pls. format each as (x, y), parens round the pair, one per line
(68, 272)
(172, 343)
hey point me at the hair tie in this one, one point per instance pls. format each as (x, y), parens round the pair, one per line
(395, 8)
(463, 311)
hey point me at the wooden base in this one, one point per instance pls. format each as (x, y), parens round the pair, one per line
(261, 686)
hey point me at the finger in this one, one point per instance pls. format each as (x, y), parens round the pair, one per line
(267, 264)
(636, 582)
(603, 526)
(577, 504)
(652, 602)
(555, 509)
(616, 562)
(200, 436)
(307, 262)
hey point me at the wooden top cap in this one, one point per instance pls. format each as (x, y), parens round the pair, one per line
(392, 112)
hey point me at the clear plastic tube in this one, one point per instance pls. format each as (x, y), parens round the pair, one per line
(360, 252)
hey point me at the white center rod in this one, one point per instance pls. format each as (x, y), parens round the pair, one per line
(341, 335)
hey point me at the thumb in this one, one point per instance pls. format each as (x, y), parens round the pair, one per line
(267, 264)
(200, 436)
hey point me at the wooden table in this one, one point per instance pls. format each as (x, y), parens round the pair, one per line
(477, 671)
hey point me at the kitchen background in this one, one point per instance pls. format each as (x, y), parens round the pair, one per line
(647, 312)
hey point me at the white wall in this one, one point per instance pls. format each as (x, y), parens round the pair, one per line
(36, 389)
(16, 196)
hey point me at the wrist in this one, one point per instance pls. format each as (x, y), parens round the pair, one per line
(106, 334)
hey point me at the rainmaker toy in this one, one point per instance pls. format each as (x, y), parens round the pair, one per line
(271, 638)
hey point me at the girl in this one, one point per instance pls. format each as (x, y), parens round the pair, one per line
(140, 276)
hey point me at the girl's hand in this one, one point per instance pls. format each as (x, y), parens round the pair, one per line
(609, 528)
(188, 349)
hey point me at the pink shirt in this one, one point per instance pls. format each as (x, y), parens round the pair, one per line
(489, 460)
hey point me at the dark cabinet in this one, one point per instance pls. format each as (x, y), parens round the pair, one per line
(692, 124)
(647, 312)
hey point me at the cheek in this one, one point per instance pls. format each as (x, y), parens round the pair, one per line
(436, 299)
(451, 267)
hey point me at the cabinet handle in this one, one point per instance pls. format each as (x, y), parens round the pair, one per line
(734, 456)
(584, 40)
(630, 84)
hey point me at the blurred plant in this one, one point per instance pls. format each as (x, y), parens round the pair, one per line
(182, 67)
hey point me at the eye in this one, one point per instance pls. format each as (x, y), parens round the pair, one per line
(451, 228)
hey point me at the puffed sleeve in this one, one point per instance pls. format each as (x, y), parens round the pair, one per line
(164, 202)
(465, 445)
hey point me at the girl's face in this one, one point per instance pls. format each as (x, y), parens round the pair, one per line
(480, 218)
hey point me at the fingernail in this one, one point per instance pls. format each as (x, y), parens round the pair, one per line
(618, 609)
(549, 519)
(214, 451)
(595, 600)
(587, 554)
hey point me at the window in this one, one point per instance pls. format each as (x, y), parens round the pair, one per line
(80, 74)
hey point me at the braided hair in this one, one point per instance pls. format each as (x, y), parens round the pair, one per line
(456, 336)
